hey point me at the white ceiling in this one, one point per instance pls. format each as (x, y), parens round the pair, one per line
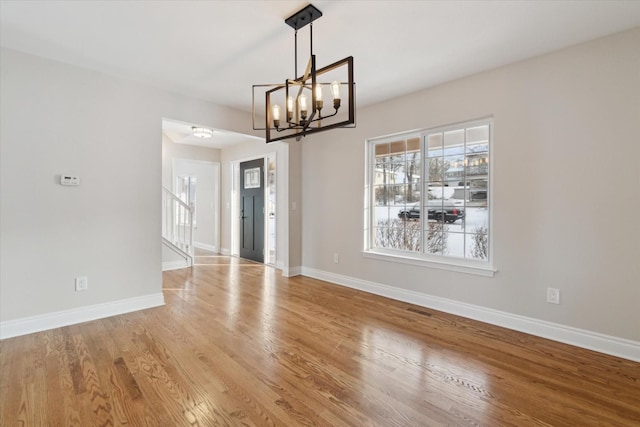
(182, 133)
(216, 50)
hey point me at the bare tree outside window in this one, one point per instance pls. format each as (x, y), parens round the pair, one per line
(480, 248)
(436, 237)
(398, 234)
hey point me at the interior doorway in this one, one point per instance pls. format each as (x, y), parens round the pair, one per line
(197, 183)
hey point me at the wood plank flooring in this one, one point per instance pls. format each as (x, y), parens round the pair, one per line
(239, 345)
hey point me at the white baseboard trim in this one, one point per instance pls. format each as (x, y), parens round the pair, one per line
(174, 265)
(291, 271)
(225, 251)
(206, 247)
(28, 325)
(620, 347)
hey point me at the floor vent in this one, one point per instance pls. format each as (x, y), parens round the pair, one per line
(415, 310)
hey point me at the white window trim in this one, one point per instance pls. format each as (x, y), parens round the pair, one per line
(462, 265)
(446, 263)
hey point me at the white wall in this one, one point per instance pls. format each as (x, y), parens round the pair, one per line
(566, 181)
(172, 150)
(59, 119)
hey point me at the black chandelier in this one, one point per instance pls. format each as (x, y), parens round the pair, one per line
(298, 117)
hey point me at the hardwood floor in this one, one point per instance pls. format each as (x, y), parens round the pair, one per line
(238, 344)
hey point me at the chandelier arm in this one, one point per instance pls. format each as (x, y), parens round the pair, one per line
(326, 117)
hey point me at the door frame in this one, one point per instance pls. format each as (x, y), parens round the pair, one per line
(235, 204)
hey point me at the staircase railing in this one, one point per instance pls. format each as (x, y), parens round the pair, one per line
(177, 224)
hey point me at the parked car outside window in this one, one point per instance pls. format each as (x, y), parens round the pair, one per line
(437, 209)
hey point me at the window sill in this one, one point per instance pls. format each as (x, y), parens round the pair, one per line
(450, 264)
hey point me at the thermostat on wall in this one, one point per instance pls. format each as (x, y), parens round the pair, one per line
(69, 180)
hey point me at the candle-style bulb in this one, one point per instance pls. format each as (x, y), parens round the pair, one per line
(276, 115)
(289, 108)
(302, 102)
(319, 102)
(335, 91)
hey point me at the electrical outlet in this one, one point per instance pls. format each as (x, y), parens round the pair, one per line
(553, 295)
(82, 283)
(336, 258)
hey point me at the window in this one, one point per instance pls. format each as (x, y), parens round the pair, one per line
(428, 196)
(186, 191)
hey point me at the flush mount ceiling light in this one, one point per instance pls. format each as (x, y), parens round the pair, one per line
(201, 132)
(295, 109)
